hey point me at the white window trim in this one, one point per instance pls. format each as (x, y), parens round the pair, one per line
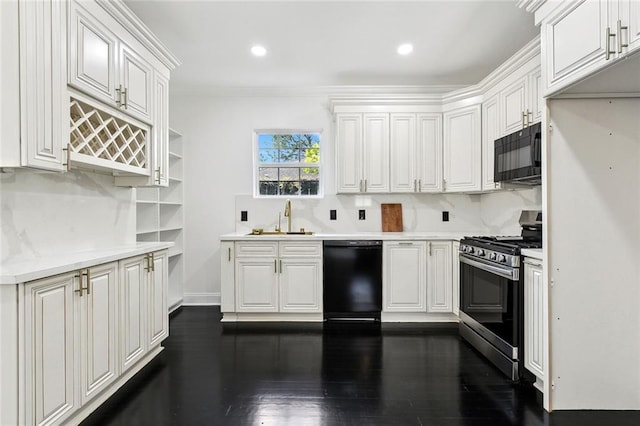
(256, 163)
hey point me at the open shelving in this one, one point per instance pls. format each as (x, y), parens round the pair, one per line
(159, 217)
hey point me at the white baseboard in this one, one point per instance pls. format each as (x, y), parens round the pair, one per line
(201, 299)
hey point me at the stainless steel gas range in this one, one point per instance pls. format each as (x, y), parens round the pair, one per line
(492, 294)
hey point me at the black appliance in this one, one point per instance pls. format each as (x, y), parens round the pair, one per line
(352, 272)
(492, 294)
(518, 157)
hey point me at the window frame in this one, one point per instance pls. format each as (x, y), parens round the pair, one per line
(257, 163)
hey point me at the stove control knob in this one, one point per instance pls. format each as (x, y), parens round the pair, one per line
(502, 258)
(493, 256)
(471, 250)
(480, 252)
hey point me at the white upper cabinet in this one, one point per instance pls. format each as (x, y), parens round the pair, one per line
(582, 37)
(416, 152)
(376, 152)
(103, 65)
(514, 106)
(362, 152)
(490, 132)
(34, 128)
(462, 150)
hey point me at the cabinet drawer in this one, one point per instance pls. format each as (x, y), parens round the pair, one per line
(300, 249)
(257, 249)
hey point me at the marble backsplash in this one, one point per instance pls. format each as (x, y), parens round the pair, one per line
(51, 213)
(493, 213)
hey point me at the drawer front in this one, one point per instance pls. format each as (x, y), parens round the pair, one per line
(300, 249)
(257, 249)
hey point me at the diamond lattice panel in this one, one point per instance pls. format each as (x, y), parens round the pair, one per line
(100, 135)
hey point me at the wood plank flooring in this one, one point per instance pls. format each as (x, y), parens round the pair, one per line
(326, 374)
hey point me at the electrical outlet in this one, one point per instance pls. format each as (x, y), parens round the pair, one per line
(361, 215)
(445, 216)
(333, 215)
(243, 216)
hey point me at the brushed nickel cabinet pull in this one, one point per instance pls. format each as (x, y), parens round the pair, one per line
(119, 97)
(79, 289)
(365, 185)
(146, 259)
(88, 287)
(229, 254)
(275, 266)
(405, 244)
(620, 28)
(68, 163)
(419, 185)
(429, 248)
(153, 263)
(280, 265)
(608, 36)
(124, 96)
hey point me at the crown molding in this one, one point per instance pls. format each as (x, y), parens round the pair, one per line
(140, 31)
(530, 6)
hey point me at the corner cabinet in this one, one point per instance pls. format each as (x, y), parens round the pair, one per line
(463, 150)
(362, 153)
(534, 313)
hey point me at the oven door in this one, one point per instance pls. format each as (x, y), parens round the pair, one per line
(490, 303)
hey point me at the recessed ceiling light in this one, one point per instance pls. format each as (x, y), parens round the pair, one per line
(258, 50)
(405, 49)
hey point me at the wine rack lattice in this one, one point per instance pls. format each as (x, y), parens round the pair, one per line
(98, 134)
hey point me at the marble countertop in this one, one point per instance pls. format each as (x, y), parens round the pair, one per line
(391, 236)
(29, 270)
(534, 253)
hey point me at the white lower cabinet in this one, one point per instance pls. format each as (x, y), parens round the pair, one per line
(439, 277)
(98, 332)
(73, 326)
(49, 337)
(455, 258)
(272, 277)
(405, 276)
(534, 317)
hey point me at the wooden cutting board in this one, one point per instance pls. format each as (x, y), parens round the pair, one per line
(392, 217)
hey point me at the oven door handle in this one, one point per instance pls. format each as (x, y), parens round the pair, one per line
(509, 273)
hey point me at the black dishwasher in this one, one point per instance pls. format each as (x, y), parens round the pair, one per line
(352, 274)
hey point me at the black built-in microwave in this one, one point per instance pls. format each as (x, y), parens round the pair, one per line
(518, 156)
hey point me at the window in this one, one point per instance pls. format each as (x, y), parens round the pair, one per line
(288, 163)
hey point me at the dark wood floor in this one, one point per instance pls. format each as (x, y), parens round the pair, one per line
(335, 374)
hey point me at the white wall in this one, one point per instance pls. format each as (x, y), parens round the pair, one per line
(43, 213)
(219, 180)
(594, 228)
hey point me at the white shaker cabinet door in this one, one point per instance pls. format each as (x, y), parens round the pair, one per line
(98, 329)
(439, 277)
(629, 16)
(133, 310)
(257, 284)
(462, 150)
(376, 152)
(300, 285)
(405, 276)
(157, 305)
(514, 107)
(349, 153)
(49, 349)
(403, 153)
(429, 152)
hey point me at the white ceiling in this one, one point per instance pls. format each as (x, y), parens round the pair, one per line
(335, 43)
